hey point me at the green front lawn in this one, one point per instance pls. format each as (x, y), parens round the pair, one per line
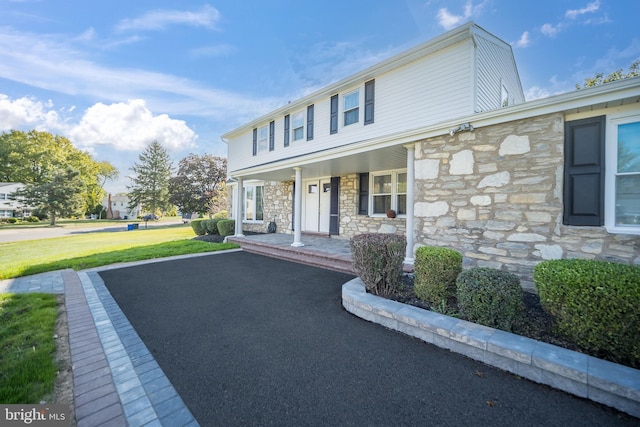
(100, 248)
(27, 358)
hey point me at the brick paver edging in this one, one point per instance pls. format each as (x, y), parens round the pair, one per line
(576, 373)
(116, 379)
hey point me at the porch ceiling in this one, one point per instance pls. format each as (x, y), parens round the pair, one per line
(394, 157)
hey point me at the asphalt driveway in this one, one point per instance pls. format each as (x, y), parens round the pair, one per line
(251, 340)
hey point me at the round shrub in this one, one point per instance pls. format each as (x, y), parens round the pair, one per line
(220, 215)
(32, 218)
(490, 297)
(435, 272)
(378, 259)
(226, 227)
(594, 303)
(196, 225)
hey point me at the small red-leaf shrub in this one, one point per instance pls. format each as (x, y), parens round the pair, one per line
(378, 259)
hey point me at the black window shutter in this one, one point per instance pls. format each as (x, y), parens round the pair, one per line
(369, 98)
(584, 148)
(272, 131)
(287, 121)
(363, 194)
(310, 122)
(255, 141)
(334, 206)
(333, 122)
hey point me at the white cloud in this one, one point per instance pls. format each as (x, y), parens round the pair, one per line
(590, 8)
(549, 30)
(536, 92)
(160, 19)
(524, 40)
(49, 62)
(448, 20)
(15, 114)
(129, 126)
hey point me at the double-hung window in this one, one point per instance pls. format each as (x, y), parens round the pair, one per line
(351, 104)
(622, 181)
(389, 191)
(263, 139)
(298, 126)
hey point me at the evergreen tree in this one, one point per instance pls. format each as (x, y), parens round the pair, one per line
(150, 184)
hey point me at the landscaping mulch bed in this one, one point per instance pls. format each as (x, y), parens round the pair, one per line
(537, 323)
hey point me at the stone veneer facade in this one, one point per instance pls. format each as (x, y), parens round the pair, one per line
(494, 194)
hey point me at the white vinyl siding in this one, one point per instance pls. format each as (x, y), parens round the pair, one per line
(493, 80)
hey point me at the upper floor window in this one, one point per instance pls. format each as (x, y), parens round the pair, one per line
(351, 107)
(622, 188)
(263, 139)
(4, 196)
(298, 126)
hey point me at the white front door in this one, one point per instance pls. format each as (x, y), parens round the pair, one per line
(316, 208)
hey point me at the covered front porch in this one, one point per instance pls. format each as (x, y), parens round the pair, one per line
(327, 190)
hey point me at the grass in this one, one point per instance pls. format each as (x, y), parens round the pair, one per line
(87, 250)
(27, 347)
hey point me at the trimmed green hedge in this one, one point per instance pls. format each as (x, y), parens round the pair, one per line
(226, 227)
(490, 297)
(595, 304)
(197, 226)
(435, 272)
(378, 259)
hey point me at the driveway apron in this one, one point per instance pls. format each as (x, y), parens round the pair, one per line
(252, 340)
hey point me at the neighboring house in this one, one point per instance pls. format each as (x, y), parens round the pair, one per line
(441, 135)
(117, 207)
(9, 206)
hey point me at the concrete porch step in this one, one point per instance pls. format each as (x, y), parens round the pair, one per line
(303, 254)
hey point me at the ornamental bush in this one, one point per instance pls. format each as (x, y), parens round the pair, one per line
(32, 218)
(595, 305)
(196, 225)
(210, 226)
(435, 272)
(490, 297)
(378, 259)
(226, 227)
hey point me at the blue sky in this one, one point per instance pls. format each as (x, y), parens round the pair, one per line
(114, 76)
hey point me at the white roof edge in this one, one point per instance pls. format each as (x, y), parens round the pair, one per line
(465, 31)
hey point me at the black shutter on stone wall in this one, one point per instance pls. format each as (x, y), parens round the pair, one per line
(369, 98)
(287, 120)
(334, 209)
(272, 131)
(363, 194)
(310, 122)
(333, 120)
(255, 141)
(584, 151)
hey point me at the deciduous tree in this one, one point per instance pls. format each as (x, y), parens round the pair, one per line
(600, 78)
(199, 184)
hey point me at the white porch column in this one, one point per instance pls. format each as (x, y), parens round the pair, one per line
(297, 212)
(411, 178)
(238, 207)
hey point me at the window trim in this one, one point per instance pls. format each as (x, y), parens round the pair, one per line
(611, 163)
(394, 191)
(253, 185)
(345, 111)
(294, 128)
